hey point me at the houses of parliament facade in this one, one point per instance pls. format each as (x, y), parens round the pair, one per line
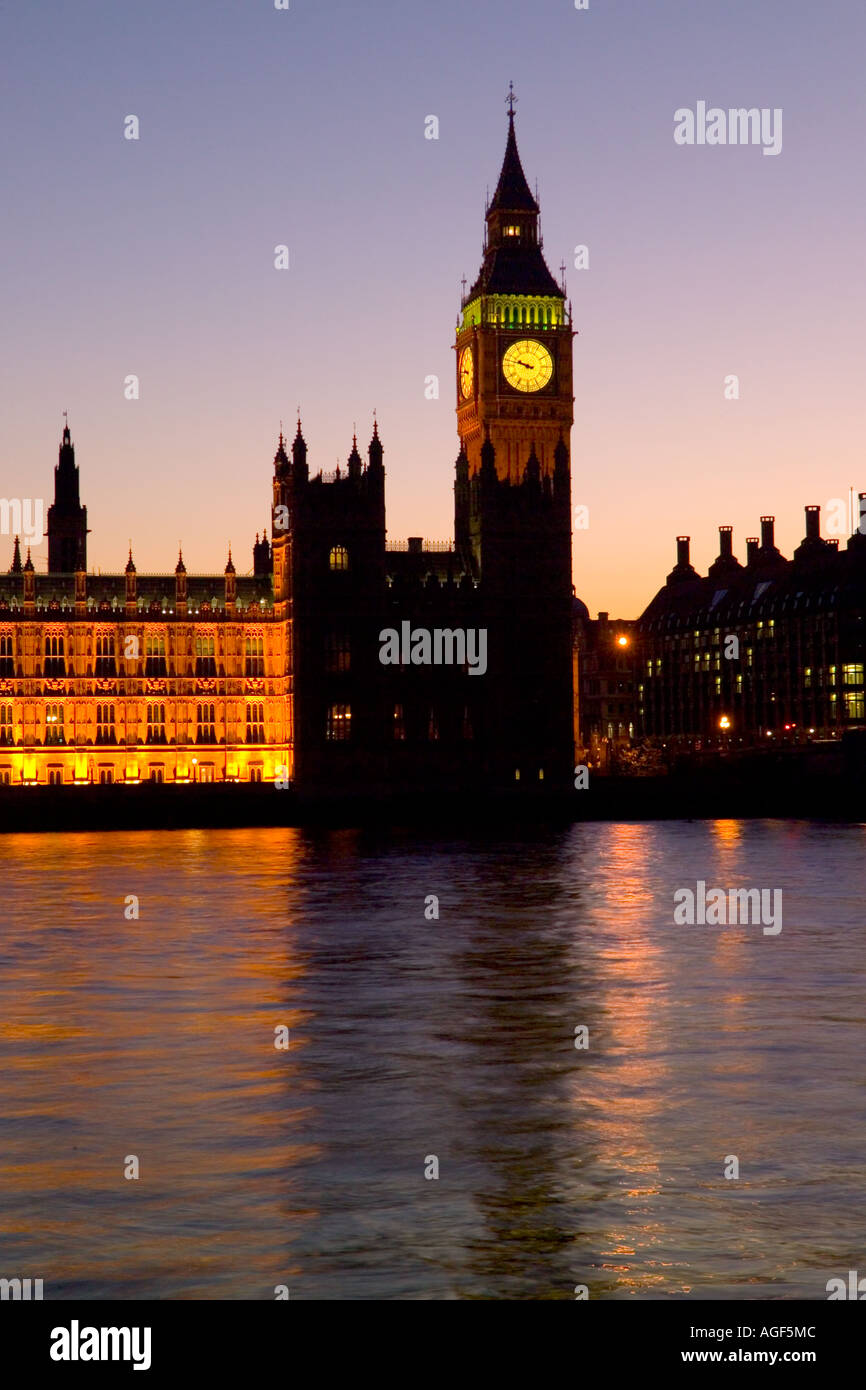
(277, 675)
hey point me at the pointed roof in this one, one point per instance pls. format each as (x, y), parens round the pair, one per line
(16, 558)
(281, 457)
(512, 191)
(513, 264)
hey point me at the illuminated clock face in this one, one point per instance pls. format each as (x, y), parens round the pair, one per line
(467, 373)
(527, 365)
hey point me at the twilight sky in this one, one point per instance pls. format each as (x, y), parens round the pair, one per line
(306, 127)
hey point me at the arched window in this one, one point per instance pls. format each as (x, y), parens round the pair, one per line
(7, 730)
(105, 724)
(255, 723)
(339, 723)
(339, 558)
(254, 655)
(54, 724)
(205, 659)
(55, 660)
(105, 660)
(155, 654)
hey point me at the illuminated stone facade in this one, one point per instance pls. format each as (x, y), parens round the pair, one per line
(126, 678)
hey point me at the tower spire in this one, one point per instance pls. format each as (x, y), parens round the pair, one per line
(513, 193)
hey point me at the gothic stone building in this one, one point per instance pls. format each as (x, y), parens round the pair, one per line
(279, 674)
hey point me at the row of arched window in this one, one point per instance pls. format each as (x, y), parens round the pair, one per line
(156, 665)
(338, 723)
(519, 315)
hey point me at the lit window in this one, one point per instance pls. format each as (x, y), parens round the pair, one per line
(154, 650)
(55, 658)
(854, 704)
(205, 659)
(852, 675)
(54, 724)
(105, 662)
(254, 655)
(339, 558)
(339, 724)
(105, 728)
(205, 724)
(255, 723)
(156, 724)
(399, 724)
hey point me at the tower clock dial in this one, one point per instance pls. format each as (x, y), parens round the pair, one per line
(527, 365)
(467, 373)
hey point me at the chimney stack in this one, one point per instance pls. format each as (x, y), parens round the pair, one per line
(813, 523)
(767, 526)
(726, 542)
(751, 549)
(683, 550)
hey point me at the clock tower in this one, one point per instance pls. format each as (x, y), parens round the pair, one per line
(513, 349)
(512, 491)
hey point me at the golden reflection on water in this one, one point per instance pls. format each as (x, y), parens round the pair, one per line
(152, 1033)
(155, 1037)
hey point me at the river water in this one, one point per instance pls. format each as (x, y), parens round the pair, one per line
(416, 1042)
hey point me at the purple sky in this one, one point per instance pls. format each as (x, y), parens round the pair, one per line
(306, 127)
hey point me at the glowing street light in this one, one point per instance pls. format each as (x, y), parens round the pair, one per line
(622, 641)
(724, 722)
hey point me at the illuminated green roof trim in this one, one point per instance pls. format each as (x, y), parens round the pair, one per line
(515, 311)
